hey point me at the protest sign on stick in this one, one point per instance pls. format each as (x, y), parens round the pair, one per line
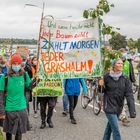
(70, 49)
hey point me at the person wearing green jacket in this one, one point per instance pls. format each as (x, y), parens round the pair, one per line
(126, 71)
(125, 61)
(126, 68)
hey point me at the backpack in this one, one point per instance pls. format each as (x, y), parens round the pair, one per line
(6, 82)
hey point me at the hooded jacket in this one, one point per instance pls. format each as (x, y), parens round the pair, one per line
(72, 86)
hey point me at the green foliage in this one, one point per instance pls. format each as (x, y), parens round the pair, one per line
(85, 14)
(118, 41)
(8, 41)
(131, 44)
(108, 30)
(108, 56)
(138, 44)
(102, 8)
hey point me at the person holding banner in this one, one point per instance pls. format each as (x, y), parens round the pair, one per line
(72, 89)
(51, 102)
(116, 87)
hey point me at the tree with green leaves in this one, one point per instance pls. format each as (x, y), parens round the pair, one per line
(8, 41)
(138, 44)
(118, 41)
(109, 55)
(131, 44)
(102, 8)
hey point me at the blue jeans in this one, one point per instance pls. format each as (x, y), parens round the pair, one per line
(65, 102)
(112, 127)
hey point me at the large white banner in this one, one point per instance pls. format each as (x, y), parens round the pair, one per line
(70, 49)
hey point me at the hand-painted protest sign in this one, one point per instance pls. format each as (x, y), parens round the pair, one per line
(69, 49)
(48, 87)
(23, 50)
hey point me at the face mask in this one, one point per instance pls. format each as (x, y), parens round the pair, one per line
(16, 68)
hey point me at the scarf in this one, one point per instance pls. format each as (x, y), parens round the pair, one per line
(114, 75)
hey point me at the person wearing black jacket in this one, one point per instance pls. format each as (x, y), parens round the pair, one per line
(117, 87)
(138, 67)
(131, 69)
(27, 67)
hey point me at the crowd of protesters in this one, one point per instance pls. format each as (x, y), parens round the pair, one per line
(19, 76)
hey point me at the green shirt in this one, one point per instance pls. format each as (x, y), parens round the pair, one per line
(15, 97)
(126, 69)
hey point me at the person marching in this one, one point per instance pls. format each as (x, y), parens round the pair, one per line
(117, 87)
(27, 68)
(72, 90)
(16, 118)
(3, 70)
(128, 70)
(35, 101)
(3, 66)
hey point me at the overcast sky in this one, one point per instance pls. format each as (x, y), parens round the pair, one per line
(18, 21)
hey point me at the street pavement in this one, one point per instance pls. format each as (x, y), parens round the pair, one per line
(88, 127)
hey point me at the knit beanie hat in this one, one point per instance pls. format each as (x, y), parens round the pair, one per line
(114, 61)
(16, 58)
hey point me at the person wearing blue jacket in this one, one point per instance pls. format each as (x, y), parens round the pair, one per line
(3, 66)
(3, 70)
(72, 89)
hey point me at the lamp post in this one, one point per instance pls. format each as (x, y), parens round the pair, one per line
(40, 30)
(39, 38)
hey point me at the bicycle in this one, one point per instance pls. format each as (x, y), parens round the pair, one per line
(135, 88)
(93, 95)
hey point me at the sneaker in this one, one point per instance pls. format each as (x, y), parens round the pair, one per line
(35, 115)
(73, 121)
(125, 122)
(64, 113)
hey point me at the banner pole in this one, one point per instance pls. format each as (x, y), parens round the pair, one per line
(38, 52)
(39, 38)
